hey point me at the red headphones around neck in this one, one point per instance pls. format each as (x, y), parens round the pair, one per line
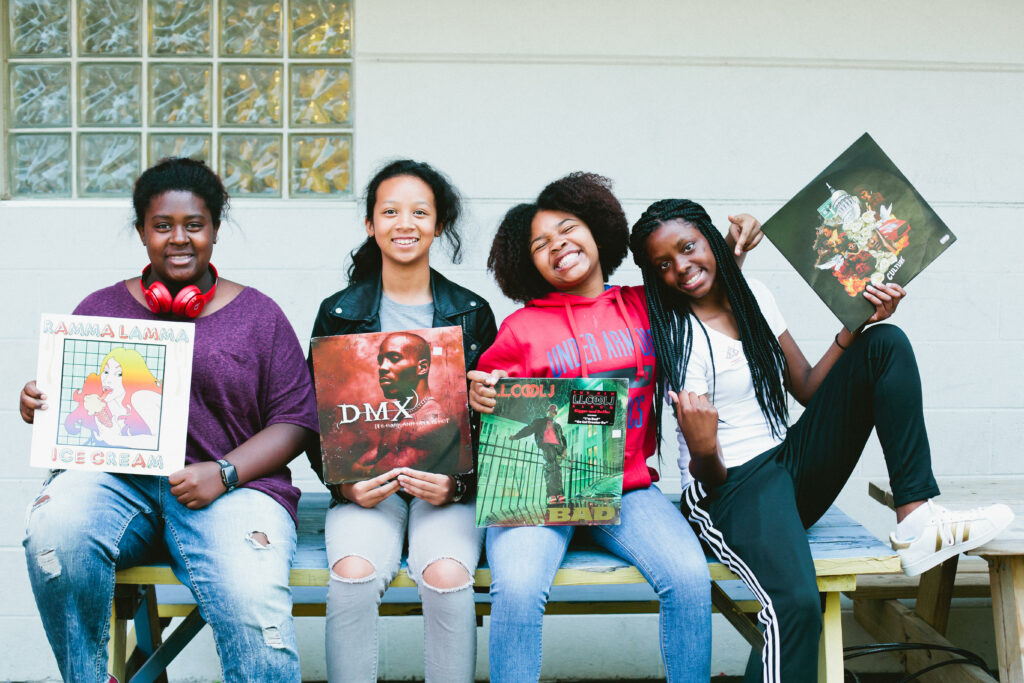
(188, 303)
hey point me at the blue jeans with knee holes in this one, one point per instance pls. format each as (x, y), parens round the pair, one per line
(84, 526)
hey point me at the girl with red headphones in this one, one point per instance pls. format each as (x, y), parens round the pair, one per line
(251, 408)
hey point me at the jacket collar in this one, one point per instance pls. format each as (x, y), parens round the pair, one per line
(360, 301)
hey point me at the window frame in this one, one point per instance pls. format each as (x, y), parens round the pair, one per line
(284, 130)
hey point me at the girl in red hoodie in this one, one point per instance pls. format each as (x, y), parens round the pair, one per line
(555, 255)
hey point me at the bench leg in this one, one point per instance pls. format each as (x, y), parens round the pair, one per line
(1006, 575)
(116, 657)
(155, 666)
(148, 631)
(830, 652)
(935, 592)
(735, 616)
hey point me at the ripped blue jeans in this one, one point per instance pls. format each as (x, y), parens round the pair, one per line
(83, 526)
(376, 535)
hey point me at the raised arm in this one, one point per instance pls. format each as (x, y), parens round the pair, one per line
(802, 379)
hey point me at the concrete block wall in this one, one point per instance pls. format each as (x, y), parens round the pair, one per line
(735, 105)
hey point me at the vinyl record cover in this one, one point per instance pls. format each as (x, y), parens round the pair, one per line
(552, 453)
(859, 222)
(118, 391)
(392, 399)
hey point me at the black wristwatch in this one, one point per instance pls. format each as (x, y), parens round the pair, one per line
(460, 488)
(228, 475)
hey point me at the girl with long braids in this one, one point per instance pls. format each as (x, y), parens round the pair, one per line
(726, 361)
(409, 204)
(555, 255)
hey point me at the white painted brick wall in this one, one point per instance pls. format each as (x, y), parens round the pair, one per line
(735, 105)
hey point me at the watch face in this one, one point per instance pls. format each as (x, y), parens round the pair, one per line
(228, 475)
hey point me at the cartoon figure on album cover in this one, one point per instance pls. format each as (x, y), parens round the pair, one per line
(859, 222)
(121, 388)
(552, 453)
(392, 399)
(111, 394)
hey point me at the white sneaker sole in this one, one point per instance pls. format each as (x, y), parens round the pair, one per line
(928, 561)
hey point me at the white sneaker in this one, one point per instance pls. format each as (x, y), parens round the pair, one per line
(949, 533)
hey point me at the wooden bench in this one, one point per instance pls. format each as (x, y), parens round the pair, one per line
(590, 581)
(888, 620)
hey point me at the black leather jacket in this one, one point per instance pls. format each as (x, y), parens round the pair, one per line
(356, 309)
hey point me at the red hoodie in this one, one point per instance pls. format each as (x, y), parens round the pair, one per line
(546, 337)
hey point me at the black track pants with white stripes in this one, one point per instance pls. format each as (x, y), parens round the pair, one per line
(756, 521)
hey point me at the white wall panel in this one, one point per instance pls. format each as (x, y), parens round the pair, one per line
(946, 31)
(505, 129)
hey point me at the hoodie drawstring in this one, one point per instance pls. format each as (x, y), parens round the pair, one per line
(640, 374)
(585, 369)
(576, 337)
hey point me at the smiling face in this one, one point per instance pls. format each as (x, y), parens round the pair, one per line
(682, 259)
(565, 254)
(404, 220)
(178, 233)
(110, 377)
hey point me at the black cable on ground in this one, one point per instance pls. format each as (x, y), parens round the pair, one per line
(917, 674)
(966, 656)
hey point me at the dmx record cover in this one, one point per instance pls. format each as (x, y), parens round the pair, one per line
(552, 453)
(392, 399)
(859, 222)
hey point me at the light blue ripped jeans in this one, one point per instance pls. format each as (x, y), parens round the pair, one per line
(376, 534)
(83, 526)
(653, 535)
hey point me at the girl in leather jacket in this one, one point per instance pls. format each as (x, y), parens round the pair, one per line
(391, 284)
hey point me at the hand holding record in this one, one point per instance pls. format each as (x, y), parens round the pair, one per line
(482, 394)
(31, 400)
(885, 298)
(436, 489)
(372, 491)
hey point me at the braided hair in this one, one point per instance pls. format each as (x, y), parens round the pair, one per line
(671, 325)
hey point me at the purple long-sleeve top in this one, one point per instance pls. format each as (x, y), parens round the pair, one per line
(248, 372)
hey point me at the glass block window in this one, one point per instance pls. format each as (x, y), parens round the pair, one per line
(97, 90)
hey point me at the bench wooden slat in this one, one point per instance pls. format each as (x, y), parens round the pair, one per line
(590, 580)
(839, 546)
